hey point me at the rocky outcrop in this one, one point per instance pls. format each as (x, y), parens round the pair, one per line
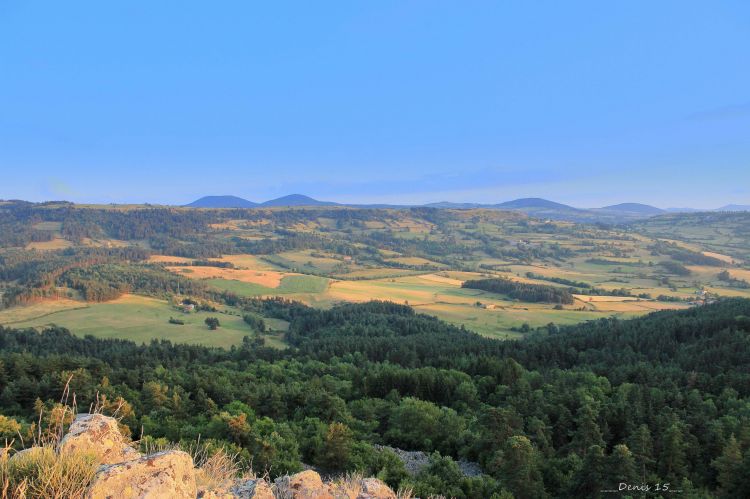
(164, 474)
(255, 488)
(304, 485)
(372, 488)
(309, 485)
(100, 435)
(124, 473)
(416, 461)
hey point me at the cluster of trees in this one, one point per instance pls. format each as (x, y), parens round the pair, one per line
(105, 282)
(17, 220)
(605, 261)
(36, 275)
(191, 246)
(684, 255)
(566, 412)
(725, 276)
(522, 290)
(212, 323)
(675, 268)
(255, 321)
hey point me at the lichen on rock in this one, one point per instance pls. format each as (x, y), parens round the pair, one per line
(98, 434)
(304, 485)
(169, 474)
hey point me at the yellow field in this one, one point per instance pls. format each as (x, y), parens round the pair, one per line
(49, 226)
(267, 278)
(361, 291)
(442, 279)
(625, 305)
(244, 262)
(377, 273)
(719, 256)
(55, 244)
(637, 307)
(600, 299)
(412, 260)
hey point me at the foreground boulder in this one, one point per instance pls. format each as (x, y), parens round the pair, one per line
(304, 485)
(253, 489)
(245, 489)
(169, 474)
(372, 488)
(99, 435)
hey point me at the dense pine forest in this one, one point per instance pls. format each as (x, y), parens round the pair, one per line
(662, 400)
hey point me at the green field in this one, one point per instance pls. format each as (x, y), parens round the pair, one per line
(142, 319)
(292, 284)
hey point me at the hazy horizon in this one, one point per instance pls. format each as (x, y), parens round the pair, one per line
(355, 202)
(582, 103)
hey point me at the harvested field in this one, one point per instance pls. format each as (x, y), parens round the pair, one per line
(266, 278)
(55, 244)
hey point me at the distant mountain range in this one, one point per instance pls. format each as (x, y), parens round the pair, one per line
(735, 207)
(536, 207)
(221, 202)
(237, 202)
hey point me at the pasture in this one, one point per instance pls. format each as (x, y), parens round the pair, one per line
(136, 318)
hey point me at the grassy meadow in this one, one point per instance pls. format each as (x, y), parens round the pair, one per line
(137, 318)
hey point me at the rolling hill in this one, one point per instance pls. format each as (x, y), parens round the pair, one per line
(296, 200)
(633, 209)
(221, 202)
(734, 207)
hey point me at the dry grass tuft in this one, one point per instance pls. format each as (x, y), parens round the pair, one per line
(406, 493)
(348, 486)
(41, 473)
(217, 469)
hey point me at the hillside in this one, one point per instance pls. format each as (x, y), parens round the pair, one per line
(221, 202)
(122, 270)
(543, 208)
(634, 208)
(579, 408)
(734, 207)
(296, 200)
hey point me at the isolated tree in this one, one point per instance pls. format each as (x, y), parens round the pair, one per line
(519, 468)
(640, 444)
(730, 468)
(621, 465)
(590, 478)
(337, 446)
(587, 433)
(672, 459)
(212, 323)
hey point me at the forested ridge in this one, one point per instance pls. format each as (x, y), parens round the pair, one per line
(522, 290)
(566, 412)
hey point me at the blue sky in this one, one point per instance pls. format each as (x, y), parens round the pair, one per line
(587, 103)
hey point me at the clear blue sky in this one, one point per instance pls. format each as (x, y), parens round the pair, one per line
(587, 103)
